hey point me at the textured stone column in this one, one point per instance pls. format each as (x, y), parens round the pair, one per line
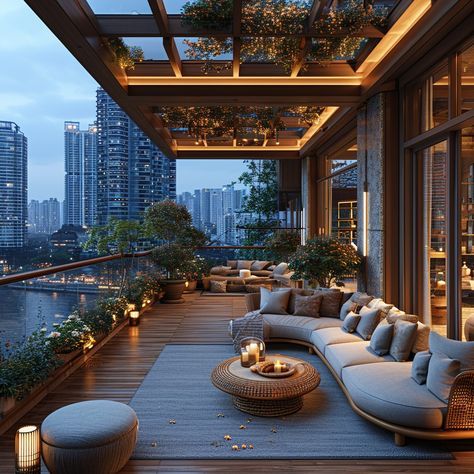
(370, 157)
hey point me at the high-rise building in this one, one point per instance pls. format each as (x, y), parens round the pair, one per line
(33, 216)
(80, 158)
(132, 173)
(13, 185)
(44, 217)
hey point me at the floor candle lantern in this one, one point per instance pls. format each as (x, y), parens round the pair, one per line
(27, 450)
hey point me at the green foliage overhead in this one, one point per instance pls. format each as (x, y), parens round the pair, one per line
(282, 244)
(324, 260)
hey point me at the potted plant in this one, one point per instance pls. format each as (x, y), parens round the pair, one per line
(171, 223)
(282, 244)
(324, 261)
(196, 269)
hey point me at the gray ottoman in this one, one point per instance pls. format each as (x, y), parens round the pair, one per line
(469, 329)
(94, 437)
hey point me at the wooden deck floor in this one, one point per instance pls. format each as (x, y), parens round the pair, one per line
(118, 369)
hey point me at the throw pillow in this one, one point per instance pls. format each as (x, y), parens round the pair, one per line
(395, 311)
(346, 308)
(259, 265)
(441, 374)
(244, 264)
(218, 286)
(281, 269)
(271, 268)
(422, 340)
(419, 367)
(331, 304)
(404, 335)
(220, 270)
(293, 293)
(232, 264)
(459, 350)
(307, 305)
(369, 318)
(379, 303)
(393, 317)
(381, 338)
(362, 299)
(350, 322)
(274, 302)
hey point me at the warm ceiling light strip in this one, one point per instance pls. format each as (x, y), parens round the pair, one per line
(402, 26)
(328, 112)
(237, 149)
(244, 81)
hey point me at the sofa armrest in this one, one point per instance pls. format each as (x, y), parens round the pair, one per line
(460, 415)
(252, 301)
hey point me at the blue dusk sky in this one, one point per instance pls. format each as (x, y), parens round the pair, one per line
(42, 85)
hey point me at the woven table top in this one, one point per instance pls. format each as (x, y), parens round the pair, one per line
(230, 377)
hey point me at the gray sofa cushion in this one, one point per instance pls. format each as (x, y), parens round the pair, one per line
(404, 335)
(232, 264)
(369, 318)
(346, 308)
(350, 322)
(441, 374)
(274, 302)
(462, 351)
(419, 368)
(352, 353)
(281, 269)
(381, 338)
(388, 392)
(307, 305)
(244, 264)
(327, 336)
(259, 265)
(292, 327)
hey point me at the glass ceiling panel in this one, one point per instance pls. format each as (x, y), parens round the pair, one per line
(174, 6)
(120, 7)
(202, 46)
(152, 47)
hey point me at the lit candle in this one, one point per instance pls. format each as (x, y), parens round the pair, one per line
(245, 356)
(134, 318)
(27, 449)
(254, 352)
(277, 367)
(131, 307)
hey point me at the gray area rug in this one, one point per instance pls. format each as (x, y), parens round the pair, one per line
(178, 388)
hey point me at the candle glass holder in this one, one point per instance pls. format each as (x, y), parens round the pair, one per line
(134, 319)
(252, 350)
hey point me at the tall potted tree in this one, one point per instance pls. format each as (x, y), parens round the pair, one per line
(324, 261)
(171, 224)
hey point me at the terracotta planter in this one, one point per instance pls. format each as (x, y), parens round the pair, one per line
(6, 404)
(190, 286)
(173, 291)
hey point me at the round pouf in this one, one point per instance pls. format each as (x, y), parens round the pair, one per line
(469, 329)
(245, 273)
(94, 437)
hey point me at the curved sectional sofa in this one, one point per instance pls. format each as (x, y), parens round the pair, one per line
(379, 388)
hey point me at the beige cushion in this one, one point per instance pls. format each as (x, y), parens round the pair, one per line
(350, 322)
(462, 351)
(388, 392)
(275, 302)
(299, 328)
(331, 303)
(394, 311)
(441, 374)
(352, 353)
(244, 264)
(379, 303)
(322, 338)
(220, 270)
(392, 318)
(422, 340)
(261, 273)
(404, 336)
(369, 318)
(218, 286)
(307, 305)
(419, 367)
(281, 269)
(259, 265)
(381, 338)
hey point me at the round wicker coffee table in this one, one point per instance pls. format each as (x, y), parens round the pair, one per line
(261, 396)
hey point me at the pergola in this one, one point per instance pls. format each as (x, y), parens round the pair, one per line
(241, 88)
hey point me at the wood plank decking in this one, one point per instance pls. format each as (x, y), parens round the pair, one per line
(118, 369)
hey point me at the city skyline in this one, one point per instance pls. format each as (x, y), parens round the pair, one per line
(45, 87)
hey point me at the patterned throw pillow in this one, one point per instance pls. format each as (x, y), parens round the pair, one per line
(362, 299)
(379, 303)
(244, 264)
(232, 264)
(307, 305)
(218, 286)
(350, 322)
(331, 304)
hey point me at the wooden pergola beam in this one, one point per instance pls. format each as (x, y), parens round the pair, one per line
(161, 18)
(236, 40)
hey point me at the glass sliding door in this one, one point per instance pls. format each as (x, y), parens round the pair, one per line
(467, 223)
(434, 211)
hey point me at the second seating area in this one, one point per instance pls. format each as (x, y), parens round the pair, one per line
(393, 370)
